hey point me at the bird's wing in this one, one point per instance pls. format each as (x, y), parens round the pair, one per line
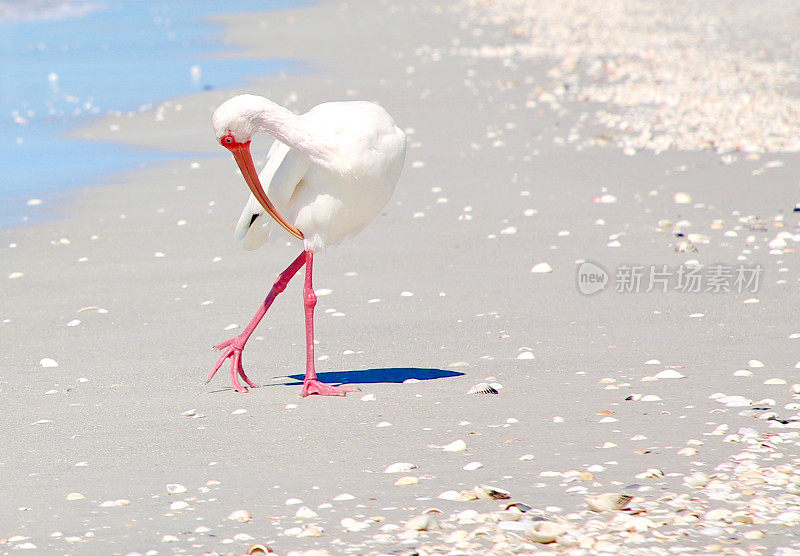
(284, 169)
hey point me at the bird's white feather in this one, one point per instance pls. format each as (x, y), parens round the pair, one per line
(283, 171)
(331, 191)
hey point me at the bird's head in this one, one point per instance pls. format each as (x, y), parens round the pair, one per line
(235, 120)
(234, 126)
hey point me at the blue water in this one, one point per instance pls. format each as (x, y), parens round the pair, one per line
(64, 63)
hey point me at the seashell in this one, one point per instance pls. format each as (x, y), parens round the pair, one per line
(455, 446)
(175, 488)
(719, 514)
(545, 531)
(242, 516)
(669, 373)
(457, 536)
(638, 524)
(422, 523)
(486, 492)
(450, 495)
(406, 481)
(75, 496)
(48, 363)
(507, 515)
(788, 518)
(310, 530)
(468, 517)
(467, 495)
(650, 473)
(609, 501)
(350, 524)
(304, 512)
(483, 388)
(115, 503)
(242, 537)
(777, 243)
(178, 505)
(541, 268)
(343, 496)
(754, 534)
(472, 466)
(519, 506)
(400, 467)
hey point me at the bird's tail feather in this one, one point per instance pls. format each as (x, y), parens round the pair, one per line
(254, 225)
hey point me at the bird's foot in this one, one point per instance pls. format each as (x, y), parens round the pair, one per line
(314, 386)
(233, 350)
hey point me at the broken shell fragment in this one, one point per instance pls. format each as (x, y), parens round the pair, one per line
(242, 516)
(610, 501)
(400, 467)
(175, 488)
(467, 495)
(352, 525)
(304, 512)
(486, 492)
(422, 523)
(310, 530)
(455, 446)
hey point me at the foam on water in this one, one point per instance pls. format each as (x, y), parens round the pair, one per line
(65, 62)
(43, 10)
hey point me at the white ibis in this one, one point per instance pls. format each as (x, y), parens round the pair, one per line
(329, 172)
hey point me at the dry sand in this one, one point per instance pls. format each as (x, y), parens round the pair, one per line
(493, 185)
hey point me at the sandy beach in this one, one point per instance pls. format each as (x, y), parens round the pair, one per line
(538, 140)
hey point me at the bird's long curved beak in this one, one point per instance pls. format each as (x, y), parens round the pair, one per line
(241, 154)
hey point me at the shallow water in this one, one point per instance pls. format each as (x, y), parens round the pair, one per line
(67, 62)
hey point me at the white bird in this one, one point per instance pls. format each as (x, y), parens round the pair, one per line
(329, 172)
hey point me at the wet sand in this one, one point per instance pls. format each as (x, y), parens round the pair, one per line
(505, 170)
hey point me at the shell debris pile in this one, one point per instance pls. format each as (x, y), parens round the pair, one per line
(667, 75)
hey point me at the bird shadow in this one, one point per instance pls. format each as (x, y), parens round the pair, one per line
(393, 375)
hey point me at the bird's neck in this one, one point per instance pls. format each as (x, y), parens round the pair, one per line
(290, 129)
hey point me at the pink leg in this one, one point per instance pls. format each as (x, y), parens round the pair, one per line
(311, 385)
(234, 346)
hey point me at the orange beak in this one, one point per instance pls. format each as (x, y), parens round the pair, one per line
(241, 154)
